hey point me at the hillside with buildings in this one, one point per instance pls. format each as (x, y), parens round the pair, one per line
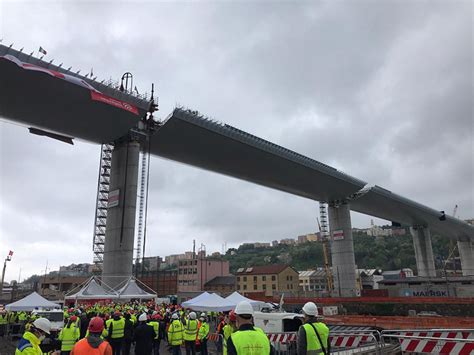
(381, 251)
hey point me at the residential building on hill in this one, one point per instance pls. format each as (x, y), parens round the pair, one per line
(267, 279)
(223, 285)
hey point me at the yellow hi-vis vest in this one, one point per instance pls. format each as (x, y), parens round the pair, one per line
(118, 327)
(312, 343)
(69, 337)
(228, 330)
(155, 326)
(190, 330)
(175, 333)
(251, 342)
(3, 319)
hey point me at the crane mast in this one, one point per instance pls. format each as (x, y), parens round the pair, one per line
(324, 231)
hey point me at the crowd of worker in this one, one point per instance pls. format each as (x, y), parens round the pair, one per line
(141, 328)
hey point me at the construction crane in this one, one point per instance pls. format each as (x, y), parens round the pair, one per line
(324, 238)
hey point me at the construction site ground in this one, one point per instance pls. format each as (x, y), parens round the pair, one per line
(8, 346)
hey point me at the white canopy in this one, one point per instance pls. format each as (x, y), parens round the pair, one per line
(195, 299)
(236, 297)
(207, 302)
(92, 290)
(30, 303)
(132, 290)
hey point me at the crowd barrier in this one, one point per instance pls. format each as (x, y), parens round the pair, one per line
(432, 341)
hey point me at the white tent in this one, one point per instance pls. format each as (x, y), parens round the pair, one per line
(195, 299)
(30, 303)
(132, 290)
(207, 302)
(92, 290)
(236, 297)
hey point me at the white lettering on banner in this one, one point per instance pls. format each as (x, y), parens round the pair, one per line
(97, 96)
(338, 235)
(114, 198)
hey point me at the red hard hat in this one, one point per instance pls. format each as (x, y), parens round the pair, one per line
(96, 325)
(73, 318)
(232, 316)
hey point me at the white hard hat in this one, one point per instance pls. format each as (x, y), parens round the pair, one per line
(192, 315)
(142, 317)
(203, 314)
(174, 316)
(42, 324)
(310, 309)
(244, 307)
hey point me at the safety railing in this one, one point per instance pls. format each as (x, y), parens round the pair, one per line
(284, 343)
(432, 341)
(361, 340)
(217, 340)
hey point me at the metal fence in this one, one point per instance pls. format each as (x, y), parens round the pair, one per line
(432, 341)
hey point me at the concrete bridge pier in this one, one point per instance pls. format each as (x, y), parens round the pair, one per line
(423, 251)
(342, 250)
(120, 231)
(466, 253)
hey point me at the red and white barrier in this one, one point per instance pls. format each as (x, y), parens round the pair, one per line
(462, 343)
(281, 338)
(349, 341)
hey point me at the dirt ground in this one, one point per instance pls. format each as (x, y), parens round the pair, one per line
(7, 347)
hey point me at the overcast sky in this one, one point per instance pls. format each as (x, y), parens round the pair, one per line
(381, 90)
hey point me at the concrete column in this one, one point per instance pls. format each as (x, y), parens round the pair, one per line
(342, 250)
(466, 253)
(423, 251)
(120, 232)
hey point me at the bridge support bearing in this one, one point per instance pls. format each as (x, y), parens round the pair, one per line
(120, 232)
(466, 253)
(423, 251)
(342, 250)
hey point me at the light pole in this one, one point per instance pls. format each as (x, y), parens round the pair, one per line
(8, 258)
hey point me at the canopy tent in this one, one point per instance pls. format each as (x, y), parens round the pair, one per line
(207, 302)
(236, 297)
(95, 289)
(91, 289)
(132, 290)
(201, 297)
(30, 303)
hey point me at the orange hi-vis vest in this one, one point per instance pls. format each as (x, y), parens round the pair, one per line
(82, 347)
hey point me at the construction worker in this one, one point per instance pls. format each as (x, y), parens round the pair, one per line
(228, 329)
(116, 328)
(155, 323)
(175, 334)
(69, 335)
(29, 344)
(247, 339)
(3, 322)
(93, 343)
(203, 333)
(143, 337)
(190, 333)
(127, 334)
(313, 335)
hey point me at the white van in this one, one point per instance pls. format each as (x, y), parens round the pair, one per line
(278, 322)
(55, 316)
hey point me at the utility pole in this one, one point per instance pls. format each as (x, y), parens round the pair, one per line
(8, 258)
